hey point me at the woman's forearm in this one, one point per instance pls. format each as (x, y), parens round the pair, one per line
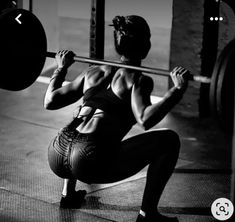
(55, 83)
(57, 78)
(154, 113)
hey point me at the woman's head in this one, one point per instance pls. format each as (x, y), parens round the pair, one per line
(131, 36)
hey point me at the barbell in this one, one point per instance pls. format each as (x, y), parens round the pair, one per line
(24, 51)
(152, 70)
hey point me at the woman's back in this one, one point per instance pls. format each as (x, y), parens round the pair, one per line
(106, 106)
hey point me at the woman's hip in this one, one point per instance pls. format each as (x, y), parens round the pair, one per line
(72, 154)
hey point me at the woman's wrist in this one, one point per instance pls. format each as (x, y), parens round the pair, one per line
(176, 92)
(179, 90)
(59, 72)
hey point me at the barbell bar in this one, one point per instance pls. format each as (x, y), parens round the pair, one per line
(145, 69)
(24, 51)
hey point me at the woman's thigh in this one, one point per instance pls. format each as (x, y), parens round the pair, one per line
(135, 153)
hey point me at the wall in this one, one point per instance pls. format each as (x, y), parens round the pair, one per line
(227, 26)
(187, 33)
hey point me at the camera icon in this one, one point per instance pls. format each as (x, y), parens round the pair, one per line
(222, 209)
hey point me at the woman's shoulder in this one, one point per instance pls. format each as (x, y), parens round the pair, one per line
(144, 84)
(96, 68)
(144, 80)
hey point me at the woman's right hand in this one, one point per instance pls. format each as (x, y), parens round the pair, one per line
(64, 58)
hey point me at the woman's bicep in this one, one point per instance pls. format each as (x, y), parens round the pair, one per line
(65, 95)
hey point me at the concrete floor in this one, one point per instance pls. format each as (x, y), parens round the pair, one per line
(29, 191)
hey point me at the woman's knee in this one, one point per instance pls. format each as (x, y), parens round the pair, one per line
(173, 137)
(166, 138)
(173, 141)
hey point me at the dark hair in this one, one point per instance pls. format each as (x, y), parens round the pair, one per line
(131, 36)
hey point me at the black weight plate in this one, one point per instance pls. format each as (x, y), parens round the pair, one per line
(213, 84)
(23, 49)
(225, 90)
(222, 87)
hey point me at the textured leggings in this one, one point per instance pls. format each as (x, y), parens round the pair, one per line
(76, 155)
(79, 156)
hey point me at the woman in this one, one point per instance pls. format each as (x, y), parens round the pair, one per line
(91, 147)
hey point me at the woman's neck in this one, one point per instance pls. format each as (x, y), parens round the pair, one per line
(129, 61)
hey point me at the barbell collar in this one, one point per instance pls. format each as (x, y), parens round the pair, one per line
(161, 72)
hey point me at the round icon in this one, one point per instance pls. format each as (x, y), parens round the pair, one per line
(222, 209)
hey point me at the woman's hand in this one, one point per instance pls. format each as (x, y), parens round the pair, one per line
(179, 76)
(64, 58)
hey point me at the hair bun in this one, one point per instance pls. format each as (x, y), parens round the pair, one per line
(119, 23)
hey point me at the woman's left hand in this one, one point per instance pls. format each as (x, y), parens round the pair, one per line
(179, 76)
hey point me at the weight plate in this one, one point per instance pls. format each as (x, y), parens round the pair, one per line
(213, 85)
(222, 87)
(23, 49)
(225, 90)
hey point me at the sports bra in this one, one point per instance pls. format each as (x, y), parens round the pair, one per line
(106, 100)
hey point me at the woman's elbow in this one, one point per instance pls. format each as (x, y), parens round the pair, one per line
(148, 123)
(48, 103)
(141, 121)
(145, 125)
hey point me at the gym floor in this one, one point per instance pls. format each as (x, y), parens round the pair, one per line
(29, 191)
